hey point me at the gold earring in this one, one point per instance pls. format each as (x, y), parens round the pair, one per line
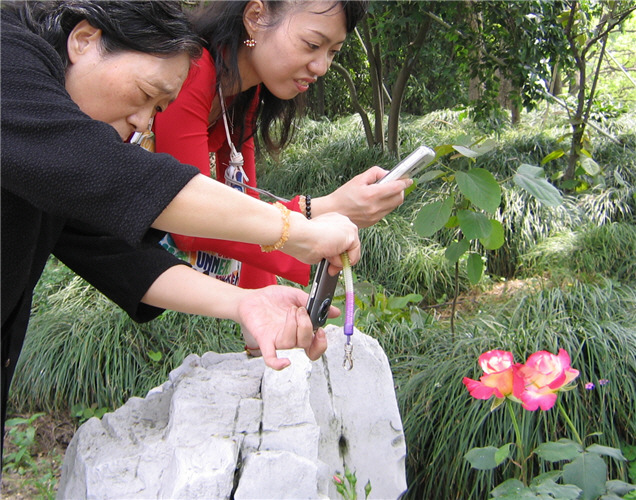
(250, 42)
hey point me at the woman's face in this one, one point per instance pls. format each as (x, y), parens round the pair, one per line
(290, 56)
(123, 89)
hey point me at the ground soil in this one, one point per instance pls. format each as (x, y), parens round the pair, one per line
(39, 478)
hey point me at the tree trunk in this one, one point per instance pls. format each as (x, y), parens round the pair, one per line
(399, 88)
(320, 98)
(375, 75)
(368, 132)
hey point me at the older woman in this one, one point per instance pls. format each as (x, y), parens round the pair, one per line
(78, 78)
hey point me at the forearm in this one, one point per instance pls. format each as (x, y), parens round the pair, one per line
(183, 289)
(210, 209)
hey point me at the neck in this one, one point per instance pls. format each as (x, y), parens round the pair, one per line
(249, 78)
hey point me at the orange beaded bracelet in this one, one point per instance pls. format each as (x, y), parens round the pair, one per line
(285, 233)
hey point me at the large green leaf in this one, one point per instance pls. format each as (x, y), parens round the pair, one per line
(432, 217)
(456, 249)
(554, 451)
(552, 156)
(607, 451)
(465, 151)
(512, 488)
(532, 179)
(482, 458)
(620, 488)
(589, 473)
(589, 165)
(474, 224)
(554, 490)
(475, 268)
(503, 452)
(475, 149)
(429, 176)
(398, 302)
(480, 187)
(496, 238)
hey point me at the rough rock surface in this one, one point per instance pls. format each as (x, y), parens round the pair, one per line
(225, 426)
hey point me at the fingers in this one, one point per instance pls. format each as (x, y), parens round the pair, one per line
(374, 174)
(269, 356)
(318, 345)
(298, 332)
(285, 339)
(334, 312)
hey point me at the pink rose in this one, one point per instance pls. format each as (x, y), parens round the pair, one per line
(499, 376)
(544, 374)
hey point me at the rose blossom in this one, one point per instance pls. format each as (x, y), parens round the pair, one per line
(499, 376)
(544, 374)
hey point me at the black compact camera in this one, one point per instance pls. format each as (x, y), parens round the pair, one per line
(321, 294)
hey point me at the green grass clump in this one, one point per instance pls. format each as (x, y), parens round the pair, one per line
(605, 251)
(83, 350)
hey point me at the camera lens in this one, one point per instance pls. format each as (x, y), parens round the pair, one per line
(324, 311)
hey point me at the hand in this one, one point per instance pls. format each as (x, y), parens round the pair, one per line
(325, 236)
(363, 201)
(275, 318)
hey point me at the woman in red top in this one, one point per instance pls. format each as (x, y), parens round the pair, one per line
(267, 53)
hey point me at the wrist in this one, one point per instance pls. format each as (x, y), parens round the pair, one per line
(322, 205)
(284, 235)
(301, 241)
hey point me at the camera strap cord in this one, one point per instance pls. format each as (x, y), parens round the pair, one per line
(347, 364)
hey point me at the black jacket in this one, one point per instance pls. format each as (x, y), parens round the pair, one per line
(71, 187)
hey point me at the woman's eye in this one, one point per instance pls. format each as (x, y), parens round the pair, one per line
(313, 46)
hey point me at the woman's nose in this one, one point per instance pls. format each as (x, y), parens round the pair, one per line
(141, 119)
(319, 65)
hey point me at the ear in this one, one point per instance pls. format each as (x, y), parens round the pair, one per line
(81, 40)
(253, 16)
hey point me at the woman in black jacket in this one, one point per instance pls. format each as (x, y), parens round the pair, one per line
(78, 78)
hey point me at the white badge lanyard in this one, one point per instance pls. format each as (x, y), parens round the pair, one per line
(234, 173)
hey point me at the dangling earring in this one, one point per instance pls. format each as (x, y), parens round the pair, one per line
(250, 42)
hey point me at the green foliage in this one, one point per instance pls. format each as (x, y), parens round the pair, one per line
(83, 350)
(478, 192)
(592, 322)
(583, 476)
(346, 485)
(83, 413)
(606, 250)
(22, 435)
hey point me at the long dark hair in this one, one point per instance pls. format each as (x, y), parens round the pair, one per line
(220, 24)
(153, 27)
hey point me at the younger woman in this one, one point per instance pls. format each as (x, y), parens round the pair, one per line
(260, 57)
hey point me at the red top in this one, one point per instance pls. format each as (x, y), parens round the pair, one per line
(182, 131)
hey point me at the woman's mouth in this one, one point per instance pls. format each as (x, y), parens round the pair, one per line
(302, 85)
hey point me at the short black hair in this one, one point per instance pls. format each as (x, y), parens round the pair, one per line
(156, 27)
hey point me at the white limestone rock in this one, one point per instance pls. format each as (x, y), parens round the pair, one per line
(225, 426)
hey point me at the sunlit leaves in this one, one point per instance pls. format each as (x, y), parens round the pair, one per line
(474, 224)
(475, 268)
(480, 187)
(432, 217)
(532, 179)
(456, 249)
(496, 237)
